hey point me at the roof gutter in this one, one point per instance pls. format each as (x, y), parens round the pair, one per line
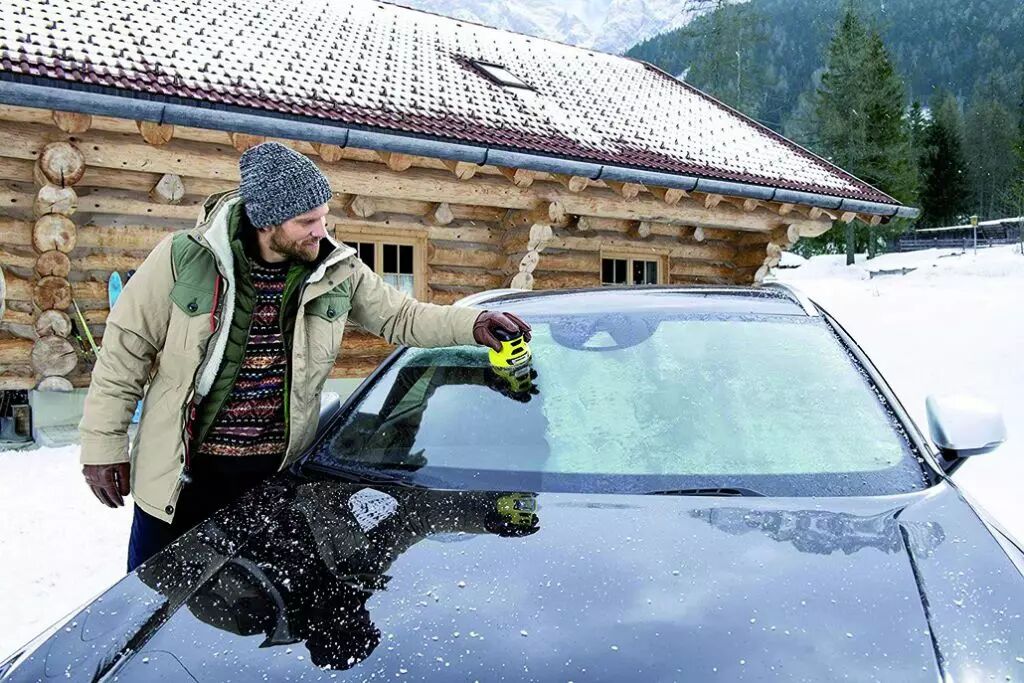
(77, 98)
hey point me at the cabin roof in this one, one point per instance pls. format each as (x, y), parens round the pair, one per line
(382, 67)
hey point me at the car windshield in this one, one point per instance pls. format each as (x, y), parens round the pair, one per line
(642, 399)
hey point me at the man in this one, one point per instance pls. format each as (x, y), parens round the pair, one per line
(236, 325)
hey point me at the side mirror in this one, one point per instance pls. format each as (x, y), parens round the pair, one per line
(962, 426)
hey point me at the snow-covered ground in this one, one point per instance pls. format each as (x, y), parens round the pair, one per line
(58, 546)
(954, 324)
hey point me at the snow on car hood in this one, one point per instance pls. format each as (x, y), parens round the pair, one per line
(347, 582)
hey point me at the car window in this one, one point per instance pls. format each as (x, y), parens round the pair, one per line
(637, 400)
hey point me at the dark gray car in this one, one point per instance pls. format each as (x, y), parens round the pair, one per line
(688, 484)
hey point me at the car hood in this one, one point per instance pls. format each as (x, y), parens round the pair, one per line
(346, 581)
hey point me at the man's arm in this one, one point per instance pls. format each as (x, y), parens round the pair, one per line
(390, 313)
(135, 333)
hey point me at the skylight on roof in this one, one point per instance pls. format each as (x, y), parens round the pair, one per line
(500, 74)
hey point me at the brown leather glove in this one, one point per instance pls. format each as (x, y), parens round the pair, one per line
(109, 483)
(488, 321)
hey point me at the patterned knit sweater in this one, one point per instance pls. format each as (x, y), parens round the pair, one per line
(251, 422)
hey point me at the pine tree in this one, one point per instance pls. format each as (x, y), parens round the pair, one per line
(860, 125)
(724, 63)
(945, 191)
(990, 136)
(1015, 194)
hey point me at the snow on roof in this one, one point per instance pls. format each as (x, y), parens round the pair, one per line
(386, 67)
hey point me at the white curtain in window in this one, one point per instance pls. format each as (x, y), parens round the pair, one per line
(402, 282)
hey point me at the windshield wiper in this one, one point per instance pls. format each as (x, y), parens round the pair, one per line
(370, 476)
(729, 491)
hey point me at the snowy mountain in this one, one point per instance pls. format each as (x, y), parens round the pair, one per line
(605, 25)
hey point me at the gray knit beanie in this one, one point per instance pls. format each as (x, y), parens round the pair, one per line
(278, 184)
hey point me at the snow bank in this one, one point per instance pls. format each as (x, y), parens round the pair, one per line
(59, 547)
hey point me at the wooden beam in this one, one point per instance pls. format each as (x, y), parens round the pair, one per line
(547, 280)
(52, 292)
(53, 356)
(785, 236)
(441, 214)
(329, 153)
(750, 204)
(127, 203)
(875, 220)
(848, 216)
(50, 199)
(52, 322)
(129, 237)
(816, 212)
(61, 385)
(627, 190)
(54, 231)
(472, 278)
(684, 269)
(168, 190)
(520, 177)
(21, 289)
(156, 134)
(550, 213)
(574, 184)
(244, 141)
(813, 228)
(62, 163)
(463, 257)
(395, 161)
(669, 195)
(641, 230)
(785, 209)
(712, 200)
(361, 207)
(72, 123)
(52, 263)
(463, 170)
(527, 238)
(571, 262)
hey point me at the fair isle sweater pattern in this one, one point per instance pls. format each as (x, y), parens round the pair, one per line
(251, 422)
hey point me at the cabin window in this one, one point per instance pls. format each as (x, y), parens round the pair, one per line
(627, 270)
(396, 263)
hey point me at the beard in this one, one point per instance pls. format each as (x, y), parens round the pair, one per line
(304, 250)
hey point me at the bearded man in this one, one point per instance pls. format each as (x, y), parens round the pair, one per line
(235, 326)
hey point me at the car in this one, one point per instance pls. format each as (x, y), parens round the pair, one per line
(684, 483)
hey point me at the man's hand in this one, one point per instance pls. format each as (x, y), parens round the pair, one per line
(488, 321)
(109, 483)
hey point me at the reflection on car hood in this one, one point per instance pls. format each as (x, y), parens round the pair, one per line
(347, 582)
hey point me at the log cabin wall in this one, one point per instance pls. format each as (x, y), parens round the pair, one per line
(83, 196)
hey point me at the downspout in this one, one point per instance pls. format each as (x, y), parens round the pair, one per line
(76, 98)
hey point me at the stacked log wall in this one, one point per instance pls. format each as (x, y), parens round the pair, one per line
(480, 227)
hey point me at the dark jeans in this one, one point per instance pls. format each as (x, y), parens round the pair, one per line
(216, 483)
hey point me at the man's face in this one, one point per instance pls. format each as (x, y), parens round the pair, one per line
(298, 239)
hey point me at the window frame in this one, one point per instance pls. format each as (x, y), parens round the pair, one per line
(484, 68)
(381, 235)
(659, 257)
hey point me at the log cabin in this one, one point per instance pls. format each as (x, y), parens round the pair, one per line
(461, 158)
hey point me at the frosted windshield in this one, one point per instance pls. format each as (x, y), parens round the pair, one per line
(635, 395)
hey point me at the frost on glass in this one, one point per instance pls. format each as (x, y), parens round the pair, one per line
(713, 397)
(636, 396)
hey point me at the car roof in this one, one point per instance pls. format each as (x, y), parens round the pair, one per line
(768, 299)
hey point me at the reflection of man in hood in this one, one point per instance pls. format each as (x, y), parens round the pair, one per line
(308, 579)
